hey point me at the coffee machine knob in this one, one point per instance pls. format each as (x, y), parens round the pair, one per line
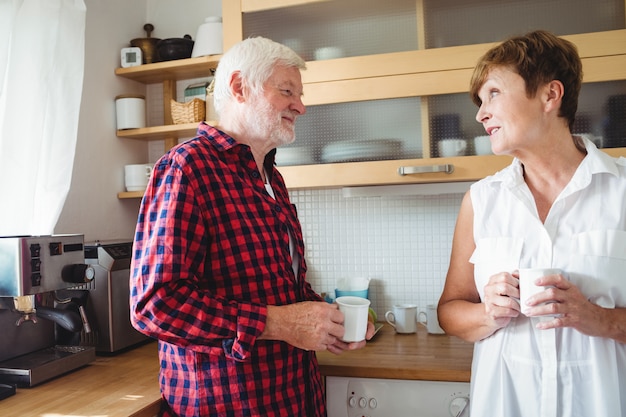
(78, 273)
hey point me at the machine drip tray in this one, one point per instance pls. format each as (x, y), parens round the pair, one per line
(6, 391)
(37, 367)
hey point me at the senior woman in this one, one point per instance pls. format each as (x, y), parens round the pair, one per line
(560, 204)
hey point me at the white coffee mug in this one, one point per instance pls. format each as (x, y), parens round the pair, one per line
(328, 52)
(482, 145)
(136, 176)
(355, 312)
(452, 147)
(527, 287)
(403, 318)
(428, 318)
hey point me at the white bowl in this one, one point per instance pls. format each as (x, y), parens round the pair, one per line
(328, 52)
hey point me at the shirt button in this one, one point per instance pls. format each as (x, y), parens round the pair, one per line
(255, 174)
(278, 208)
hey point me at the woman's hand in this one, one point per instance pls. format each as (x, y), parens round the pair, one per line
(569, 307)
(501, 295)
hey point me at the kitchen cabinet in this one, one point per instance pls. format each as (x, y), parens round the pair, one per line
(424, 72)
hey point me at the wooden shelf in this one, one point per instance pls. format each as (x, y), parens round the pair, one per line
(159, 132)
(180, 69)
(466, 168)
(248, 6)
(130, 194)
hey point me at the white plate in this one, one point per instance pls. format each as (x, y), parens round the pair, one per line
(293, 155)
(366, 150)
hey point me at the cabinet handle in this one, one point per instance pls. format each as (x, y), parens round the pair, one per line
(426, 169)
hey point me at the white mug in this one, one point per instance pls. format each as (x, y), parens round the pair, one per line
(136, 176)
(403, 318)
(452, 147)
(355, 312)
(328, 52)
(527, 287)
(428, 318)
(482, 145)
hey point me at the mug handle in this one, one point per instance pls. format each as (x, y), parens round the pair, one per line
(424, 321)
(391, 319)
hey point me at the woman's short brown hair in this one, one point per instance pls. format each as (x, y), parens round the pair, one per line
(538, 57)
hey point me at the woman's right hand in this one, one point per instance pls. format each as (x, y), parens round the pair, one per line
(501, 295)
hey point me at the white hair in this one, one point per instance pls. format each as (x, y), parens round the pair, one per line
(254, 58)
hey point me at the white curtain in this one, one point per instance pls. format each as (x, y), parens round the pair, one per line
(41, 77)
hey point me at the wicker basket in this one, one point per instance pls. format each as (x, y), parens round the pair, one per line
(189, 112)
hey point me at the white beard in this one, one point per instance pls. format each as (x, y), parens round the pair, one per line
(266, 123)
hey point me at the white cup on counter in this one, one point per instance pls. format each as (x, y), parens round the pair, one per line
(403, 318)
(452, 147)
(136, 176)
(428, 318)
(355, 311)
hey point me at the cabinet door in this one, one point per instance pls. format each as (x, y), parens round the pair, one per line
(395, 92)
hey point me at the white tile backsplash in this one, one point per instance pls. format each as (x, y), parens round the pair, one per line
(401, 242)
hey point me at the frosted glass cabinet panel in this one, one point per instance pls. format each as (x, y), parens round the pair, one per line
(339, 28)
(601, 116)
(353, 132)
(457, 22)
(346, 28)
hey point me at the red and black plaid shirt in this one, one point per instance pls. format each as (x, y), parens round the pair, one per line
(211, 251)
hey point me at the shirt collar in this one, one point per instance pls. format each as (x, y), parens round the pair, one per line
(224, 142)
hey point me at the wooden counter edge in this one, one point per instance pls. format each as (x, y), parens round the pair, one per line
(419, 356)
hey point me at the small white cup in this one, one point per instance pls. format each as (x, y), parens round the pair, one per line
(527, 287)
(328, 52)
(136, 176)
(428, 318)
(482, 145)
(452, 147)
(355, 312)
(403, 318)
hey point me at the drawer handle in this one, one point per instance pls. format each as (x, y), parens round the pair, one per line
(426, 169)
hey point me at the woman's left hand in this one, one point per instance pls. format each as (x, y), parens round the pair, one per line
(567, 304)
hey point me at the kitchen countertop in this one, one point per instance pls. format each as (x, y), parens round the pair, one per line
(126, 384)
(122, 385)
(404, 356)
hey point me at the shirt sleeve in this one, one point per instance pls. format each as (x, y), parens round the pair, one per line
(168, 300)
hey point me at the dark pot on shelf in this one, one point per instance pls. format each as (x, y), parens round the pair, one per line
(175, 48)
(147, 45)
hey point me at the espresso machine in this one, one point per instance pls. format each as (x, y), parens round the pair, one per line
(35, 274)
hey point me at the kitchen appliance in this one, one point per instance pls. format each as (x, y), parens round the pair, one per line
(108, 308)
(371, 397)
(32, 270)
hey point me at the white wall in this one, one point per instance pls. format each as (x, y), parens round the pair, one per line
(175, 18)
